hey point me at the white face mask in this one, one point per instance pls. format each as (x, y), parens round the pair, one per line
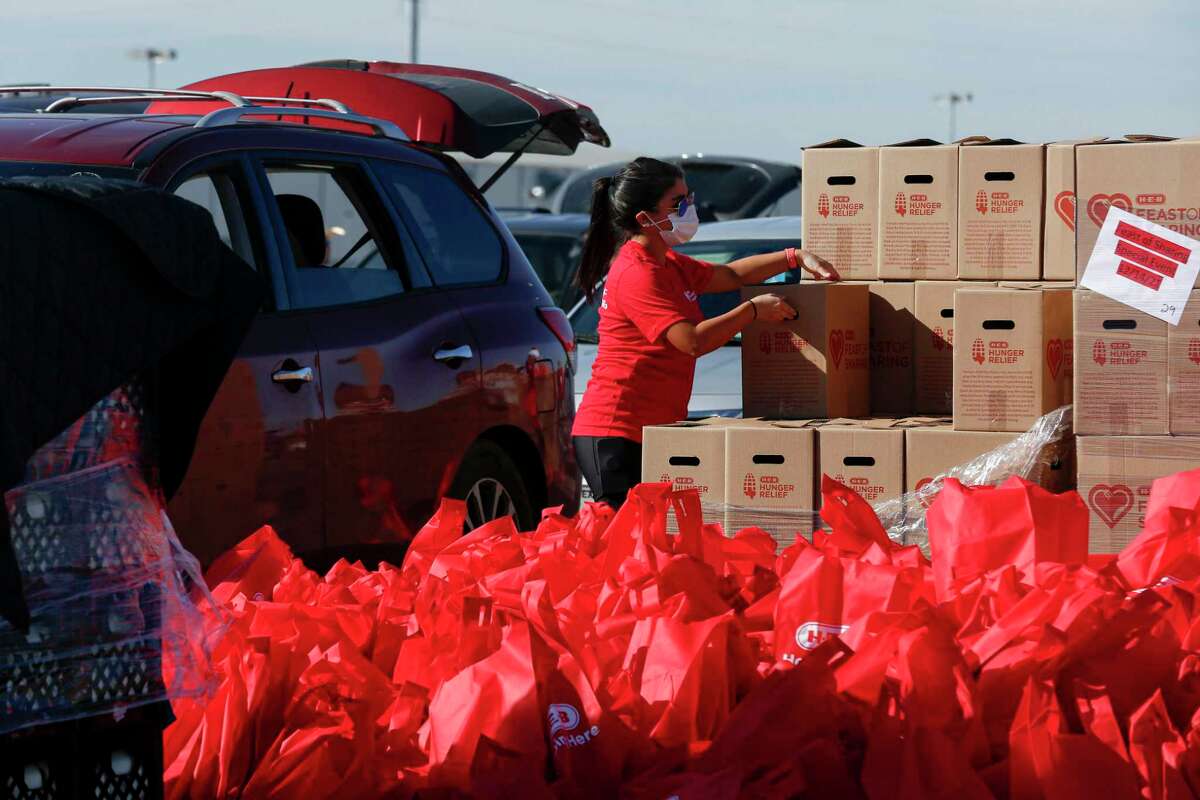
(683, 226)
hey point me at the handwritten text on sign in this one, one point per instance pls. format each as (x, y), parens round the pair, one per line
(1143, 265)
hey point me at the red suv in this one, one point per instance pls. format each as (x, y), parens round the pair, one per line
(407, 350)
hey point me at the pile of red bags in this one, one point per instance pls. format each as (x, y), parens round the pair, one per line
(601, 656)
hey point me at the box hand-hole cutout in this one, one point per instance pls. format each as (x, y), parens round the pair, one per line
(998, 324)
(999, 176)
(683, 461)
(918, 179)
(1120, 324)
(841, 180)
(767, 459)
(858, 461)
(947, 313)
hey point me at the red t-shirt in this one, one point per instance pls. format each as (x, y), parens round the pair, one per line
(639, 378)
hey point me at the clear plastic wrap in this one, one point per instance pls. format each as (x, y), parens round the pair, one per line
(1028, 456)
(111, 592)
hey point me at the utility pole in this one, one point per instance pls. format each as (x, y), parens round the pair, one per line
(153, 56)
(953, 99)
(414, 32)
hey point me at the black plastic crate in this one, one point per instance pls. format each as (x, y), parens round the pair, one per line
(96, 758)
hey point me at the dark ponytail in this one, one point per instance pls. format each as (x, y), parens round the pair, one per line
(616, 201)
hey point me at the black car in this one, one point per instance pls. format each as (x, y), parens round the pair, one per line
(553, 243)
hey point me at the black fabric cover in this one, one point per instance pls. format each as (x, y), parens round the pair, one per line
(102, 280)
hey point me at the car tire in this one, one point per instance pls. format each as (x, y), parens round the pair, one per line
(487, 477)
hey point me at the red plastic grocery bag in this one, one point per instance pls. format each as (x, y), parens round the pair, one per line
(251, 568)
(329, 744)
(485, 730)
(823, 595)
(1048, 761)
(973, 530)
(688, 674)
(792, 734)
(1157, 750)
(442, 530)
(1171, 532)
(853, 524)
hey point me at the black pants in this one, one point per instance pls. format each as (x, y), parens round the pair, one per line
(610, 465)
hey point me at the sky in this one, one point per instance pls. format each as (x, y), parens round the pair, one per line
(746, 77)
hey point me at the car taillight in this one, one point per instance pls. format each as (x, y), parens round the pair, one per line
(556, 320)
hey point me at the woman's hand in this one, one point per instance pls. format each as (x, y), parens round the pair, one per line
(818, 267)
(772, 308)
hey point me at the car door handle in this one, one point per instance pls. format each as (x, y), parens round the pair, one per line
(303, 374)
(448, 354)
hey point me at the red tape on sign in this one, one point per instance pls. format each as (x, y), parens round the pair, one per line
(1138, 275)
(1146, 259)
(1151, 242)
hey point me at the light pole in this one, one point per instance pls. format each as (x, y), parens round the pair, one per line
(414, 30)
(953, 99)
(153, 56)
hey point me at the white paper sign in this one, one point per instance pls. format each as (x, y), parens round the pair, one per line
(1143, 265)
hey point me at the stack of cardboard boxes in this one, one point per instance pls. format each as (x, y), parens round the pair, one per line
(958, 264)
(1137, 386)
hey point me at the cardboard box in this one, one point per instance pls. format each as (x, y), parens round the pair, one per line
(870, 460)
(1013, 362)
(1058, 225)
(1183, 369)
(1152, 177)
(1115, 473)
(891, 332)
(918, 211)
(690, 455)
(814, 366)
(933, 344)
(840, 196)
(771, 479)
(929, 452)
(1000, 186)
(1068, 284)
(1120, 368)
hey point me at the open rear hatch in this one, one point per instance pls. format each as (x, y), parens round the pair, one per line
(445, 108)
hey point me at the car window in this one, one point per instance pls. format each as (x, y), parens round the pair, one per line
(585, 319)
(221, 191)
(202, 190)
(335, 227)
(577, 195)
(458, 242)
(723, 188)
(556, 260)
(787, 206)
(719, 188)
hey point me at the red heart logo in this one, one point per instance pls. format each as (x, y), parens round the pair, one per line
(1054, 356)
(1064, 204)
(1111, 503)
(837, 340)
(1098, 205)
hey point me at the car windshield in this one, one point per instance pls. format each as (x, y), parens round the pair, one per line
(724, 188)
(585, 319)
(720, 188)
(555, 258)
(37, 169)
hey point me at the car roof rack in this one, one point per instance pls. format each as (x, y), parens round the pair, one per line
(249, 106)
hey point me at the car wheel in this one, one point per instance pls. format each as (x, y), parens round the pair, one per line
(491, 484)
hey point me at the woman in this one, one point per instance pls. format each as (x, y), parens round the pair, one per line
(651, 328)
